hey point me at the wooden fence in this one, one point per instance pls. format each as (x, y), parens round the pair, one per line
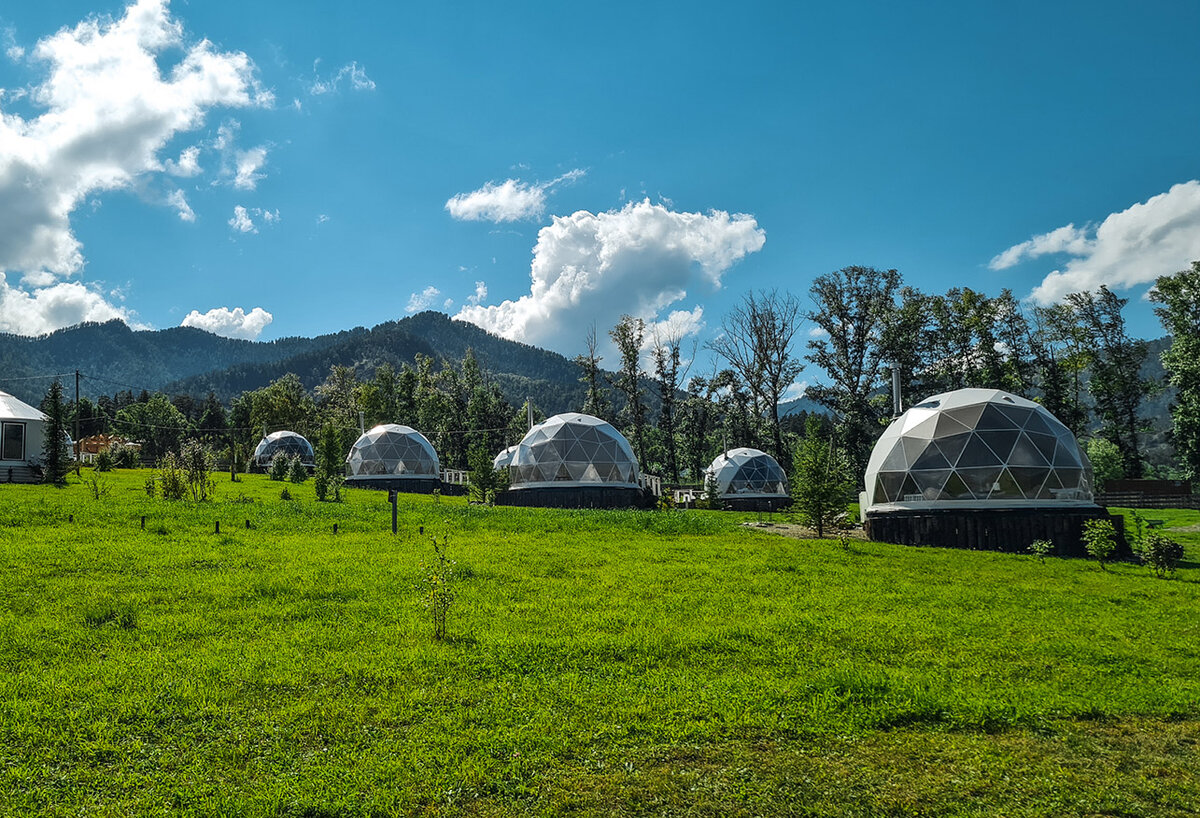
(1138, 499)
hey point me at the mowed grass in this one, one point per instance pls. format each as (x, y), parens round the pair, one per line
(599, 663)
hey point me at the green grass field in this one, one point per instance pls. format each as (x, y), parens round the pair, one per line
(618, 663)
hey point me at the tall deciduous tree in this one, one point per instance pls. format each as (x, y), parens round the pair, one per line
(1115, 361)
(596, 403)
(1178, 297)
(628, 335)
(853, 307)
(756, 340)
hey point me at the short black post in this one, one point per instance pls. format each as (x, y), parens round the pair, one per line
(218, 527)
(247, 524)
(421, 530)
(143, 522)
(70, 518)
(335, 528)
(394, 512)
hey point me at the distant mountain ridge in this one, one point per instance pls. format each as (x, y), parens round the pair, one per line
(113, 357)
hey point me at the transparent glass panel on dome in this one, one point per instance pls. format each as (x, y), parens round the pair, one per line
(1019, 415)
(1037, 424)
(932, 458)
(952, 447)
(956, 489)
(1000, 441)
(890, 483)
(1006, 487)
(966, 415)
(977, 453)
(1063, 456)
(909, 490)
(946, 426)
(895, 461)
(979, 481)
(930, 483)
(1030, 480)
(993, 418)
(1025, 453)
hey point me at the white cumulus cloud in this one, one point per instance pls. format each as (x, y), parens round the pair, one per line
(188, 163)
(178, 200)
(422, 300)
(1134, 246)
(246, 175)
(480, 294)
(241, 221)
(105, 109)
(230, 323)
(509, 201)
(45, 309)
(594, 267)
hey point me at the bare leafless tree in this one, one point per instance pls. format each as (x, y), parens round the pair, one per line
(756, 339)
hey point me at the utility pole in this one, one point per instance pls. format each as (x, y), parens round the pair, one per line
(77, 447)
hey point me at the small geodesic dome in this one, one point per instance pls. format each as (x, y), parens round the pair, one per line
(504, 459)
(289, 444)
(391, 451)
(748, 473)
(573, 449)
(976, 448)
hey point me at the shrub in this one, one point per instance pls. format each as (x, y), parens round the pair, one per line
(320, 485)
(1160, 552)
(297, 473)
(1100, 540)
(171, 478)
(150, 487)
(1041, 549)
(280, 464)
(104, 460)
(437, 588)
(197, 467)
(821, 482)
(97, 486)
(285, 494)
(125, 457)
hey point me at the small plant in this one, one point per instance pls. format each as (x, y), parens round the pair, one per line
(1100, 540)
(285, 494)
(125, 458)
(1160, 552)
(297, 473)
(321, 485)
(280, 464)
(97, 487)
(197, 467)
(1041, 549)
(104, 460)
(437, 588)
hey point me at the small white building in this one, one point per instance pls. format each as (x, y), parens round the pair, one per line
(21, 434)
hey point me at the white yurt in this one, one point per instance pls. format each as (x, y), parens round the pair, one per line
(21, 435)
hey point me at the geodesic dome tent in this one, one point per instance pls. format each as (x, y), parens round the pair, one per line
(504, 459)
(745, 472)
(976, 448)
(392, 452)
(286, 443)
(573, 449)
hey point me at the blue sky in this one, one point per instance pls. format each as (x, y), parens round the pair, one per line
(266, 170)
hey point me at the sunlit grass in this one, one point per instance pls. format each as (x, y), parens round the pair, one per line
(598, 662)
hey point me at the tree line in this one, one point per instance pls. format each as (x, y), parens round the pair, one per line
(859, 327)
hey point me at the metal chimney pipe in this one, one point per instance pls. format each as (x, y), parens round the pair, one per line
(897, 400)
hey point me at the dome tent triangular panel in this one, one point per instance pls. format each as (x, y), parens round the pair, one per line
(1015, 453)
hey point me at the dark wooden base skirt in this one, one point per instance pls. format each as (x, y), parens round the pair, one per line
(414, 485)
(1011, 529)
(576, 497)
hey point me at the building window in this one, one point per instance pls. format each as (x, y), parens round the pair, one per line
(12, 441)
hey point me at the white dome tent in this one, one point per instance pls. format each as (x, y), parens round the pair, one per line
(504, 459)
(573, 460)
(21, 437)
(977, 463)
(393, 456)
(291, 444)
(749, 479)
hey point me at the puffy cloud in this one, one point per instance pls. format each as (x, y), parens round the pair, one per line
(679, 324)
(422, 300)
(1134, 246)
(178, 200)
(106, 111)
(187, 165)
(509, 201)
(241, 221)
(351, 73)
(230, 323)
(480, 294)
(46, 309)
(593, 267)
(246, 175)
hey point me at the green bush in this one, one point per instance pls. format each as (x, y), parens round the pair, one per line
(104, 461)
(172, 480)
(297, 472)
(280, 464)
(1100, 540)
(1041, 549)
(1160, 552)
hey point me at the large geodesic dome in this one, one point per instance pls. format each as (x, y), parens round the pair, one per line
(392, 451)
(976, 448)
(573, 449)
(286, 443)
(749, 473)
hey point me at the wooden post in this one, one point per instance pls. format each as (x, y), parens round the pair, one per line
(247, 524)
(335, 528)
(394, 511)
(70, 518)
(143, 522)
(218, 531)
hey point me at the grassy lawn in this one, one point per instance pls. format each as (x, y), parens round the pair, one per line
(598, 663)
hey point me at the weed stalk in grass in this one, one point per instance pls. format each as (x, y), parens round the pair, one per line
(436, 584)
